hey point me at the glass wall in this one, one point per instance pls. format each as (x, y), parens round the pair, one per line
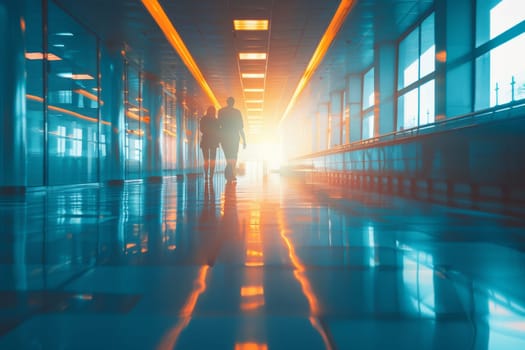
(416, 103)
(324, 127)
(134, 120)
(500, 77)
(72, 102)
(336, 118)
(368, 104)
(112, 114)
(35, 92)
(170, 131)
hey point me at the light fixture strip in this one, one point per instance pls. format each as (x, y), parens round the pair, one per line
(250, 24)
(159, 15)
(253, 75)
(333, 28)
(252, 56)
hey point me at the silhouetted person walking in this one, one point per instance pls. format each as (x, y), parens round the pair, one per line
(232, 130)
(209, 127)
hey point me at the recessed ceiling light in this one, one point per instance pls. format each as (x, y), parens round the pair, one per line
(250, 24)
(254, 101)
(253, 75)
(40, 56)
(76, 76)
(254, 90)
(252, 56)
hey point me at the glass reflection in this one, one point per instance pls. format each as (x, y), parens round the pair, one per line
(418, 279)
(72, 103)
(252, 290)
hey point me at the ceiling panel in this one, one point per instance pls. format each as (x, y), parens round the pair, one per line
(206, 26)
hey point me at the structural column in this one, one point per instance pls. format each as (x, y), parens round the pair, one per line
(153, 102)
(13, 153)
(454, 25)
(112, 85)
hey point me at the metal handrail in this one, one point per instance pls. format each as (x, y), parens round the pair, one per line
(481, 116)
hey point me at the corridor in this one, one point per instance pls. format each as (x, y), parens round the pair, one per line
(267, 263)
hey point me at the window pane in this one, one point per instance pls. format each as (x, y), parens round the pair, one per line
(408, 110)
(495, 17)
(336, 118)
(368, 125)
(497, 70)
(506, 67)
(408, 60)
(426, 103)
(505, 15)
(428, 48)
(368, 89)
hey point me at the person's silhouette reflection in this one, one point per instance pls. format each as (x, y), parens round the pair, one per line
(230, 219)
(208, 224)
(209, 207)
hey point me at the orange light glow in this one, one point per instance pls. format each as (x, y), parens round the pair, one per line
(131, 245)
(252, 291)
(252, 305)
(40, 56)
(139, 132)
(66, 111)
(81, 77)
(252, 56)
(135, 116)
(170, 339)
(256, 253)
(88, 95)
(254, 90)
(441, 56)
(333, 28)
(159, 15)
(171, 133)
(251, 346)
(254, 101)
(250, 24)
(300, 276)
(254, 263)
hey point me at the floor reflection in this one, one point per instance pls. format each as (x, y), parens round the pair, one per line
(255, 265)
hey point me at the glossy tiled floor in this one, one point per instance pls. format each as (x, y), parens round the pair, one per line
(264, 264)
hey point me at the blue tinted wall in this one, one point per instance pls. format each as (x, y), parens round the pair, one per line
(75, 110)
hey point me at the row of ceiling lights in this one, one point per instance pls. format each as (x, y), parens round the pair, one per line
(253, 92)
(173, 37)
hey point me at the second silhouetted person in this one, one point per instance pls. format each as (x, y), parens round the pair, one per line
(232, 130)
